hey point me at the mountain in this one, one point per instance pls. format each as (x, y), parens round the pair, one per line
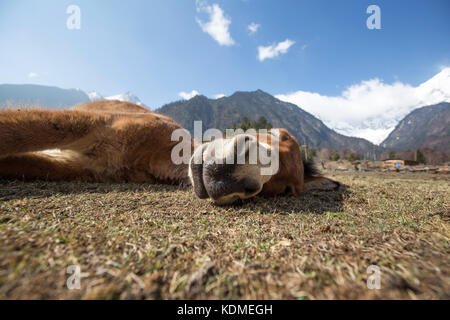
(224, 112)
(12, 95)
(424, 127)
(128, 96)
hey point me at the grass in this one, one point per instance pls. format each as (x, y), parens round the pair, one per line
(160, 242)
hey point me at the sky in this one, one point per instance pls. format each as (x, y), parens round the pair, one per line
(166, 50)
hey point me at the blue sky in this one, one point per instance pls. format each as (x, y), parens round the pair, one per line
(157, 49)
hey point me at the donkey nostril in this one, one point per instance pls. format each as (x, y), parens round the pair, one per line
(251, 187)
(250, 190)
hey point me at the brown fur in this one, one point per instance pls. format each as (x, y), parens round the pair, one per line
(104, 141)
(294, 175)
(290, 176)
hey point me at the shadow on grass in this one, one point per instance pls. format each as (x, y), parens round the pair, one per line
(314, 201)
(16, 190)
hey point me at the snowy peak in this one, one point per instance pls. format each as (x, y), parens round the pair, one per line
(128, 96)
(94, 96)
(435, 90)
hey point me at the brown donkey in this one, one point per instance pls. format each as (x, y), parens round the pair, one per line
(113, 141)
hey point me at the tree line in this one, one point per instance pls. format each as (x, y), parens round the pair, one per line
(421, 155)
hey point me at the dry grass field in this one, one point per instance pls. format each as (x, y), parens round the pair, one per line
(160, 242)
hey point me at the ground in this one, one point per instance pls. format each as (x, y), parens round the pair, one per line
(160, 242)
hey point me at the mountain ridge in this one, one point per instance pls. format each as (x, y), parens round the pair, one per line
(37, 95)
(224, 112)
(426, 127)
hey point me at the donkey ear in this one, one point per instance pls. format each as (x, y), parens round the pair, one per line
(321, 183)
(196, 172)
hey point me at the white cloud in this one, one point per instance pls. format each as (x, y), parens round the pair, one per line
(274, 50)
(253, 28)
(188, 95)
(218, 96)
(372, 108)
(32, 75)
(218, 25)
(305, 46)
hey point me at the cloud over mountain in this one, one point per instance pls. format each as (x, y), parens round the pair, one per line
(372, 108)
(188, 95)
(274, 50)
(32, 75)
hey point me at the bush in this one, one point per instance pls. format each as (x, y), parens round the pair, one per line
(351, 157)
(262, 123)
(308, 152)
(335, 157)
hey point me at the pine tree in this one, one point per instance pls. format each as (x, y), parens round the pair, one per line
(351, 157)
(420, 157)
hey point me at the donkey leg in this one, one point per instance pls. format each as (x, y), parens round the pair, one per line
(29, 167)
(24, 131)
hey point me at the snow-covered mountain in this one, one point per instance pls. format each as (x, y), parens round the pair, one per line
(372, 109)
(435, 90)
(94, 96)
(128, 96)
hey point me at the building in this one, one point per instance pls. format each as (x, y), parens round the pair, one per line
(396, 164)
